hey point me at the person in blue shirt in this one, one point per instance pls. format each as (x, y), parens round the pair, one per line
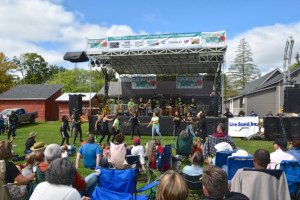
(90, 152)
(295, 150)
(196, 168)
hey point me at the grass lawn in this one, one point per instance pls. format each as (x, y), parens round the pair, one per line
(49, 133)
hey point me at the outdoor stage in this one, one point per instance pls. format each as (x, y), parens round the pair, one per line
(166, 124)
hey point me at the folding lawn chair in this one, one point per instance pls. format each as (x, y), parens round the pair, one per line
(122, 181)
(238, 162)
(221, 158)
(292, 172)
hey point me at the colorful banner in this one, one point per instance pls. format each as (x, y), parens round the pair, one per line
(189, 82)
(242, 126)
(159, 41)
(144, 82)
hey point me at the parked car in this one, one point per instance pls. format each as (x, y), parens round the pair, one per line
(23, 116)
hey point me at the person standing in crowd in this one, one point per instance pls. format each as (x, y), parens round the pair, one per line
(201, 126)
(155, 125)
(90, 152)
(30, 142)
(135, 125)
(2, 125)
(131, 106)
(215, 185)
(64, 128)
(172, 186)
(115, 127)
(12, 125)
(105, 128)
(141, 107)
(77, 126)
(253, 114)
(227, 113)
(190, 122)
(98, 126)
(176, 121)
(214, 100)
(280, 153)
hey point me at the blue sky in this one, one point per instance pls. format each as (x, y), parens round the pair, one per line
(52, 27)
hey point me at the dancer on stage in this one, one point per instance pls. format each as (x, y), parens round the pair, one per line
(155, 125)
(98, 126)
(135, 125)
(214, 99)
(64, 128)
(141, 107)
(77, 126)
(105, 128)
(176, 120)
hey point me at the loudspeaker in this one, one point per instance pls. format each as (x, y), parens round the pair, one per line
(291, 100)
(273, 127)
(75, 104)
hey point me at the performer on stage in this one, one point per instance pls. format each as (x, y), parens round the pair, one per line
(176, 120)
(189, 121)
(214, 98)
(193, 107)
(77, 126)
(141, 107)
(115, 127)
(98, 126)
(180, 106)
(155, 125)
(64, 128)
(228, 114)
(131, 106)
(135, 125)
(12, 125)
(105, 128)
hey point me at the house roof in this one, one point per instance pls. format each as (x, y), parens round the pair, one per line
(260, 82)
(115, 89)
(30, 92)
(86, 96)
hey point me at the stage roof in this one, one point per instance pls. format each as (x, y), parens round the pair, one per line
(186, 53)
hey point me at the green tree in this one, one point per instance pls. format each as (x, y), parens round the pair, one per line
(6, 79)
(78, 80)
(243, 70)
(297, 64)
(229, 90)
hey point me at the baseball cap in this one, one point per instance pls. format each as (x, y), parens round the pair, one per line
(136, 140)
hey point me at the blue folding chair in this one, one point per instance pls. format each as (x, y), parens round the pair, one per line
(238, 162)
(122, 181)
(221, 158)
(292, 172)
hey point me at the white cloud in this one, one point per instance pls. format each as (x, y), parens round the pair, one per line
(267, 44)
(27, 26)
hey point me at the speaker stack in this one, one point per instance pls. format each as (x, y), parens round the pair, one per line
(75, 104)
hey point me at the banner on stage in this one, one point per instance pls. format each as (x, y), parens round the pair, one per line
(189, 82)
(158, 41)
(148, 82)
(242, 126)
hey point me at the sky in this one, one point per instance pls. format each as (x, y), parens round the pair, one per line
(53, 27)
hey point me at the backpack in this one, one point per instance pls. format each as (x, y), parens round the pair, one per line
(4, 193)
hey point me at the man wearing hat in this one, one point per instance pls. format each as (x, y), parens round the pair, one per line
(138, 150)
(38, 146)
(280, 153)
(29, 142)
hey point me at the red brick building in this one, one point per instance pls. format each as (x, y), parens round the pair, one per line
(39, 98)
(63, 103)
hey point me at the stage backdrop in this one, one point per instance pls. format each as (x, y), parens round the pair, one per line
(242, 126)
